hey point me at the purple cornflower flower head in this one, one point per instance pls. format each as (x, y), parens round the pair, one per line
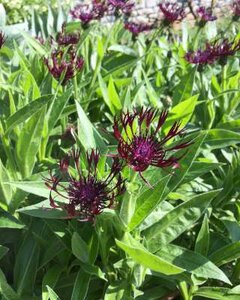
(64, 65)
(87, 13)
(2, 39)
(64, 39)
(205, 15)
(221, 50)
(136, 28)
(138, 144)
(236, 9)
(172, 12)
(125, 6)
(84, 194)
(200, 57)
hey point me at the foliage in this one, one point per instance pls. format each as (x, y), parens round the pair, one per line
(175, 232)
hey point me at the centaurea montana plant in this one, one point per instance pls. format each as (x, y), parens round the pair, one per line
(171, 12)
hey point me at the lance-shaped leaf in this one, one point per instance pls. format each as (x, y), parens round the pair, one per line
(142, 256)
(177, 221)
(147, 201)
(226, 254)
(193, 262)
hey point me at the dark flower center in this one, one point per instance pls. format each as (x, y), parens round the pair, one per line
(143, 153)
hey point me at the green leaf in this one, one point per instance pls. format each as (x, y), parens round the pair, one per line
(27, 111)
(3, 251)
(202, 241)
(143, 257)
(226, 254)
(87, 134)
(113, 95)
(8, 221)
(193, 262)
(34, 44)
(217, 293)
(186, 162)
(181, 112)
(147, 202)
(29, 142)
(56, 109)
(52, 294)
(178, 220)
(43, 210)
(185, 87)
(221, 138)
(80, 248)
(6, 290)
(33, 187)
(93, 270)
(81, 286)
(26, 264)
(105, 95)
(50, 279)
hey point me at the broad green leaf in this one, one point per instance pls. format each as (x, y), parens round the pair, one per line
(26, 263)
(9, 221)
(27, 111)
(143, 257)
(226, 254)
(43, 210)
(220, 138)
(202, 241)
(81, 286)
(52, 294)
(113, 95)
(87, 134)
(105, 94)
(178, 220)
(181, 112)
(80, 248)
(184, 89)
(193, 262)
(33, 187)
(186, 161)
(6, 290)
(55, 110)
(50, 279)
(93, 270)
(29, 142)
(5, 190)
(3, 251)
(123, 49)
(147, 202)
(218, 293)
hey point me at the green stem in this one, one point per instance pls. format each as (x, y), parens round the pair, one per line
(184, 290)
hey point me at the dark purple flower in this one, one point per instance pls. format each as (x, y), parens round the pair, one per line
(66, 39)
(124, 6)
(87, 13)
(222, 49)
(85, 194)
(138, 143)
(2, 39)
(172, 12)
(136, 28)
(205, 15)
(236, 8)
(200, 57)
(64, 65)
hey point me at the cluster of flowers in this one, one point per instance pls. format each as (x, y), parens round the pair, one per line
(216, 51)
(85, 194)
(64, 62)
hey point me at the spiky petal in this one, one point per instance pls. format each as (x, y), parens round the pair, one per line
(85, 194)
(138, 142)
(172, 12)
